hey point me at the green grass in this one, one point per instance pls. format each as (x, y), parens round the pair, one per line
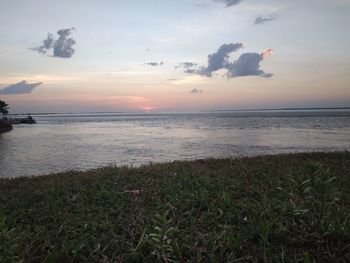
(282, 208)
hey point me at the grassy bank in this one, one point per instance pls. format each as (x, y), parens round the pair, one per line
(283, 208)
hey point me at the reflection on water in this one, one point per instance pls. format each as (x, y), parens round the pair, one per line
(82, 141)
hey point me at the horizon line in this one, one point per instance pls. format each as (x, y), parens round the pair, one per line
(200, 111)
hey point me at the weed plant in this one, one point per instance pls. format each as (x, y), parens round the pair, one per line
(282, 208)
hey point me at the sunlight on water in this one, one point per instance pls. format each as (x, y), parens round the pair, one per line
(64, 142)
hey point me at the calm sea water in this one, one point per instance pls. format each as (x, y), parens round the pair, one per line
(83, 141)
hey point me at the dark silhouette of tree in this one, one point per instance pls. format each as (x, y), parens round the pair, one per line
(4, 108)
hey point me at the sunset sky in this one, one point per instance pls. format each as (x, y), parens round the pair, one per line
(167, 55)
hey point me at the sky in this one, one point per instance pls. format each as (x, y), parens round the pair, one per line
(173, 56)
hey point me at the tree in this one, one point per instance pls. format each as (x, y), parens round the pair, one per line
(4, 108)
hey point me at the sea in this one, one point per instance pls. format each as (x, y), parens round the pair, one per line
(62, 142)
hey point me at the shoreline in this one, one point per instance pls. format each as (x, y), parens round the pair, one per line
(270, 207)
(5, 127)
(96, 170)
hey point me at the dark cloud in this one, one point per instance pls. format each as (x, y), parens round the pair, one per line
(196, 91)
(154, 63)
(267, 75)
(186, 65)
(219, 59)
(191, 71)
(20, 88)
(47, 44)
(61, 47)
(229, 3)
(248, 64)
(261, 20)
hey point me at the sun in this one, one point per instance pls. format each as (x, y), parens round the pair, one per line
(147, 109)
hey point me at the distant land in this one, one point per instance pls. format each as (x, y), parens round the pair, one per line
(282, 109)
(203, 111)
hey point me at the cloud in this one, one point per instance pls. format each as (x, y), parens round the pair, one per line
(154, 63)
(261, 20)
(266, 53)
(248, 64)
(47, 44)
(191, 71)
(267, 75)
(196, 91)
(20, 88)
(229, 3)
(62, 47)
(186, 65)
(219, 59)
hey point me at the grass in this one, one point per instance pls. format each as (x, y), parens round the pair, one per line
(282, 208)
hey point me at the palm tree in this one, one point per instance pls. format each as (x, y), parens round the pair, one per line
(4, 108)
